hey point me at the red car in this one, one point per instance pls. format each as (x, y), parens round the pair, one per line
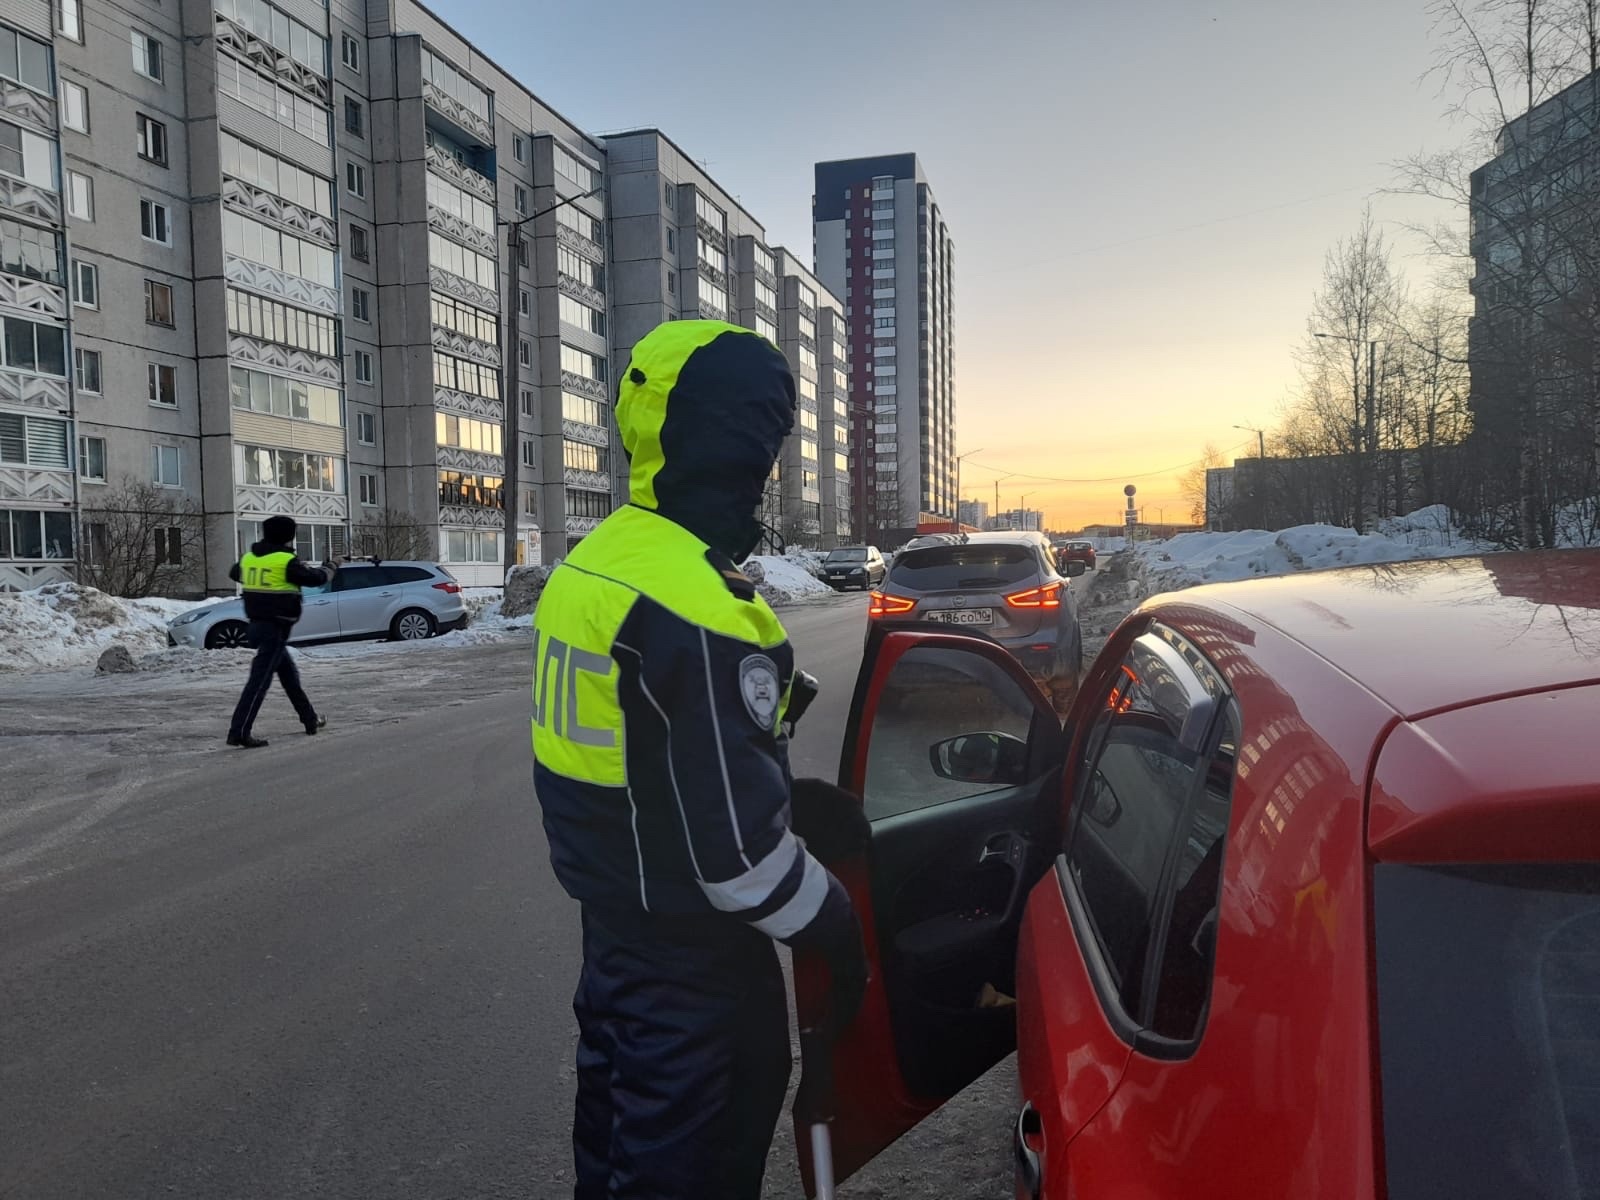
(1074, 558)
(1304, 902)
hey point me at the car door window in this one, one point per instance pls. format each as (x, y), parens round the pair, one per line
(1134, 787)
(406, 574)
(1183, 984)
(932, 696)
(356, 579)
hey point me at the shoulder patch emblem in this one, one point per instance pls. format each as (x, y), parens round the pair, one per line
(761, 689)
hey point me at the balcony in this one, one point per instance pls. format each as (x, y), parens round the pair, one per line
(27, 107)
(458, 172)
(457, 113)
(46, 486)
(808, 312)
(583, 385)
(258, 202)
(574, 240)
(34, 295)
(271, 60)
(594, 481)
(464, 289)
(461, 231)
(592, 296)
(717, 237)
(463, 346)
(269, 281)
(579, 526)
(582, 431)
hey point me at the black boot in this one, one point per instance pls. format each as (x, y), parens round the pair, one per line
(313, 726)
(247, 741)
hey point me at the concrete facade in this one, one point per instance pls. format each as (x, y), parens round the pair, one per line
(882, 245)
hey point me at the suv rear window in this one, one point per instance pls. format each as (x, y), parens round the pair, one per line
(1489, 1030)
(936, 568)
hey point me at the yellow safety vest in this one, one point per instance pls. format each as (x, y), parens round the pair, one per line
(266, 572)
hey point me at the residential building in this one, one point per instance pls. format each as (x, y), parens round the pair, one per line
(1018, 518)
(882, 245)
(974, 513)
(810, 467)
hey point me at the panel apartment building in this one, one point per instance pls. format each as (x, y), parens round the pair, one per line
(682, 248)
(258, 254)
(883, 246)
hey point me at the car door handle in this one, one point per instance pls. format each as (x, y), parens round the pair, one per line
(1029, 1165)
(320, 603)
(385, 593)
(1004, 846)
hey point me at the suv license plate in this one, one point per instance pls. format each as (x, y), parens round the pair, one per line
(963, 616)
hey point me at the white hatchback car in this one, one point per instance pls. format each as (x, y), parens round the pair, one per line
(405, 601)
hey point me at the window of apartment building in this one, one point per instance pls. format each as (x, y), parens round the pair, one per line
(580, 456)
(464, 375)
(580, 315)
(586, 271)
(350, 52)
(258, 391)
(570, 167)
(155, 222)
(165, 468)
(519, 147)
(169, 546)
(586, 409)
(80, 196)
(291, 470)
(472, 546)
(152, 136)
(354, 118)
(519, 199)
(530, 504)
(709, 212)
(295, 184)
(525, 353)
(158, 303)
(767, 329)
(583, 224)
(277, 29)
(147, 55)
(69, 19)
(669, 195)
(465, 319)
(33, 441)
(355, 179)
(361, 304)
(32, 534)
(271, 321)
(459, 202)
(27, 156)
(581, 362)
(672, 240)
(524, 301)
(369, 490)
(672, 283)
(262, 93)
(528, 407)
(712, 298)
(92, 459)
(358, 243)
(86, 370)
(41, 349)
(458, 260)
(467, 433)
(522, 253)
(161, 381)
(367, 428)
(363, 367)
(588, 504)
(530, 454)
(85, 285)
(74, 107)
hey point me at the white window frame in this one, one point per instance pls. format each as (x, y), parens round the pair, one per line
(350, 52)
(147, 132)
(362, 367)
(79, 184)
(155, 207)
(355, 179)
(519, 199)
(147, 50)
(367, 428)
(82, 93)
(83, 459)
(154, 373)
(156, 459)
(519, 147)
(81, 271)
(69, 19)
(362, 310)
(80, 355)
(368, 489)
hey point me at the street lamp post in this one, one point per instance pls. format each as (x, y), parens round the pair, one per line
(1022, 508)
(511, 362)
(1260, 473)
(959, 457)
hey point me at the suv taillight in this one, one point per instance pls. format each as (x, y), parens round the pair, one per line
(883, 605)
(452, 588)
(1048, 596)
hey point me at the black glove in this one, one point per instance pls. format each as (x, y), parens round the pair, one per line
(828, 819)
(835, 934)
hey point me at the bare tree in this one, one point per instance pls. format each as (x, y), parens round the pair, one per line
(1521, 75)
(1192, 483)
(393, 534)
(141, 540)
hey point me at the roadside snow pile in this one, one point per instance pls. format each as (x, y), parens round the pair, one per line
(65, 625)
(787, 579)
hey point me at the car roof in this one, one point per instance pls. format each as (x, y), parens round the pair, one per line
(388, 562)
(1433, 635)
(1003, 537)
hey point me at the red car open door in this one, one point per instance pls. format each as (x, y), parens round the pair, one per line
(957, 757)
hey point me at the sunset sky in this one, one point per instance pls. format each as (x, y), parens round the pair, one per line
(1141, 195)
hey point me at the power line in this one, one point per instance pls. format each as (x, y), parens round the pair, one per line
(1107, 479)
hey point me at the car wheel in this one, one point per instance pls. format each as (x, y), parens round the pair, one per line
(412, 625)
(228, 635)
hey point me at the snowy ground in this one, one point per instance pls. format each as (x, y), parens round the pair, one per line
(63, 626)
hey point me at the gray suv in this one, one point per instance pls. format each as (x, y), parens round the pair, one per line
(1002, 585)
(367, 598)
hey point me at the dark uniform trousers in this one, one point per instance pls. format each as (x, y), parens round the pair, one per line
(271, 642)
(683, 1057)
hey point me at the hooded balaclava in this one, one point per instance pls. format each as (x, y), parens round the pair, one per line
(278, 531)
(703, 409)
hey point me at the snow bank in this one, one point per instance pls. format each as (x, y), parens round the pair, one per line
(66, 625)
(787, 579)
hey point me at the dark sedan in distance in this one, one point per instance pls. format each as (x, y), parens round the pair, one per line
(854, 567)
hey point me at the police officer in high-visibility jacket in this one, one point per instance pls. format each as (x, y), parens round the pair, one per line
(661, 680)
(272, 577)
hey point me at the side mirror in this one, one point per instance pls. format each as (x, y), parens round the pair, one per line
(981, 758)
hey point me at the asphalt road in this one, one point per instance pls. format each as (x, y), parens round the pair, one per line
(339, 967)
